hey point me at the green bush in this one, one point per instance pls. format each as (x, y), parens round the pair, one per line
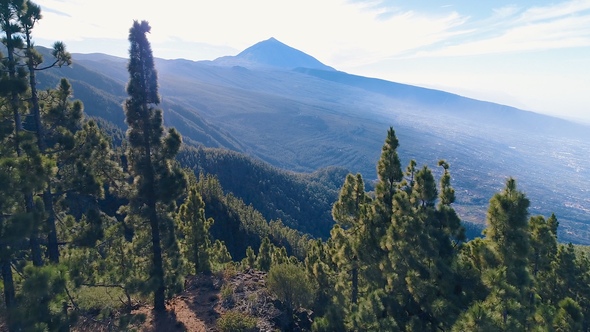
(227, 292)
(291, 286)
(235, 321)
(101, 299)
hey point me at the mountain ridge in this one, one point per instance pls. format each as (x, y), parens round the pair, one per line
(431, 97)
(323, 71)
(307, 119)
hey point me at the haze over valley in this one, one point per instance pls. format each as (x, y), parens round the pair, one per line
(288, 109)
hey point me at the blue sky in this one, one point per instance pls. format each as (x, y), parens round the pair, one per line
(533, 55)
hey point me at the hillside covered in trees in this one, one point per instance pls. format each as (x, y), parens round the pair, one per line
(97, 227)
(306, 119)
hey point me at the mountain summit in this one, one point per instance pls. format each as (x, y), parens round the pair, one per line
(272, 53)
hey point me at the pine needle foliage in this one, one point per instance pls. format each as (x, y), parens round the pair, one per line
(157, 182)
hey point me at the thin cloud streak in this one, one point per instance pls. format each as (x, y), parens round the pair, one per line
(540, 28)
(54, 11)
(555, 11)
(405, 31)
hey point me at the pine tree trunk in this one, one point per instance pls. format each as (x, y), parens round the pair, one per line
(52, 246)
(53, 249)
(158, 269)
(36, 253)
(18, 128)
(35, 247)
(35, 109)
(355, 280)
(9, 293)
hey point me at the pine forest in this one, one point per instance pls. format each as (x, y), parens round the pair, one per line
(104, 230)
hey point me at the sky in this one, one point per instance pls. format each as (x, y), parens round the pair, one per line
(534, 55)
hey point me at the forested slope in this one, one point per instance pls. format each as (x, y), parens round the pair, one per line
(97, 234)
(302, 201)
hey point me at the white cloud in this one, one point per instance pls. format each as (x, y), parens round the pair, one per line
(571, 7)
(332, 30)
(539, 28)
(506, 11)
(339, 32)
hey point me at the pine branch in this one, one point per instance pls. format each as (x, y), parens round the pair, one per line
(49, 66)
(74, 304)
(16, 270)
(104, 285)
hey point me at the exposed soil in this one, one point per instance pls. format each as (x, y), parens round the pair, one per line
(205, 299)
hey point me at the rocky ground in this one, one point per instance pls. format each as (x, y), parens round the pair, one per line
(206, 299)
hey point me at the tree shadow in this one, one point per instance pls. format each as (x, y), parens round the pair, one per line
(167, 322)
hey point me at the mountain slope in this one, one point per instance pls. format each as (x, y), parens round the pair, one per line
(456, 105)
(306, 119)
(100, 84)
(302, 201)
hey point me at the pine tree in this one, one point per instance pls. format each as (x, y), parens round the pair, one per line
(41, 299)
(250, 259)
(389, 171)
(317, 267)
(264, 257)
(507, 279)
(219, 255)
(27, 20)
(508, 230)
(573, 280)
(409, 250)
(54, 137)
(157, 184)
(195, 230)
(543, 253)
(22, 168)
(569, 316)
(350, 212)
(390, 178)
(17, 19)
(279, 256)
(420, 293)
(376, 308)
(15, 85)
(10, 10)
(9, 202)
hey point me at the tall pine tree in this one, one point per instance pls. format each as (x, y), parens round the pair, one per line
(350, 213)
(27, 21)
(15, 85)
(506, 278)
(156, 182)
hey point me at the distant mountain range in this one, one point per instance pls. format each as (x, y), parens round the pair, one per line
(286, 108)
